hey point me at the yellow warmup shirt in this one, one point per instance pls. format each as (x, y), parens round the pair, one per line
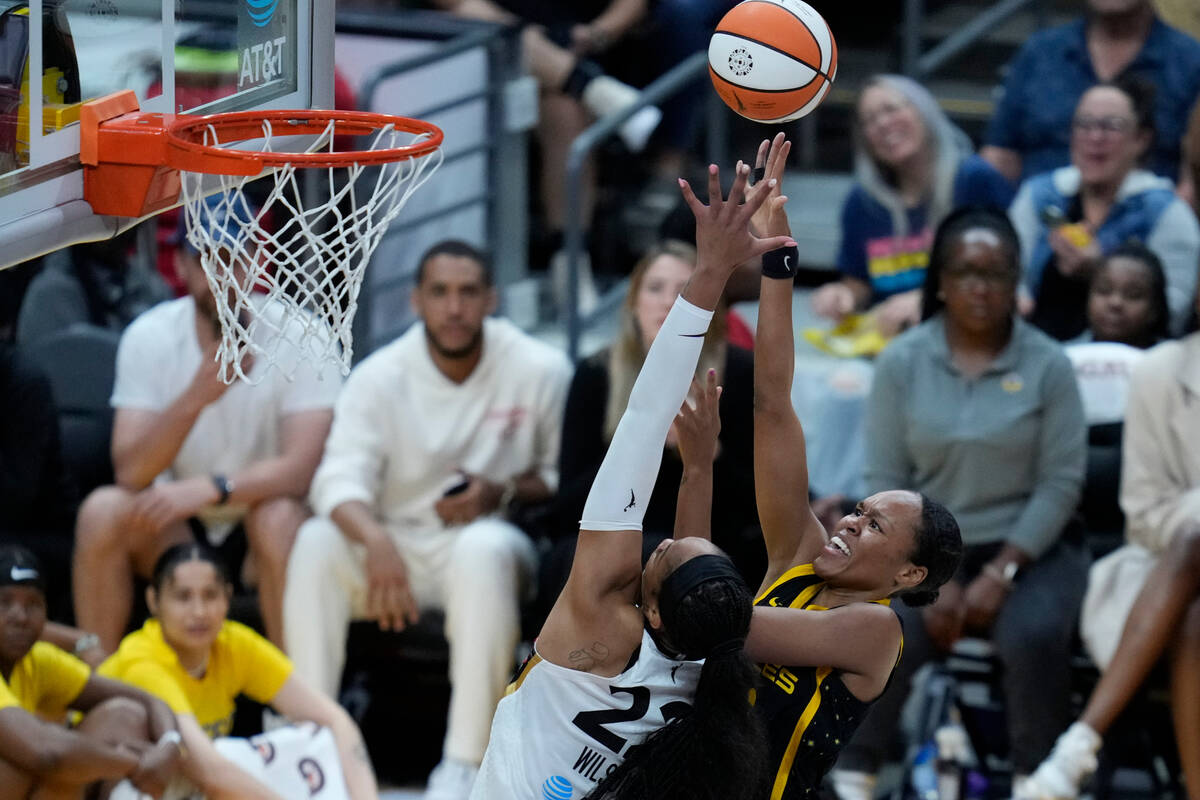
(241, 662)
(46, 681)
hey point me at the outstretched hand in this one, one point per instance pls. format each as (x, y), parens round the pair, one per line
(723, 236)
(698, 426)
(770, 218)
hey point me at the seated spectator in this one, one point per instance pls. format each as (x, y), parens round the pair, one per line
(978, 408)
(912, 166)
(1143, 600)
(434, 438)
(37, 495)
(195, 457)
(124, 734)
(195, 660)
(599, 394)
(1029, 131)
(98, 283)
(1069, 219)
(1127, 313)
(560, 42)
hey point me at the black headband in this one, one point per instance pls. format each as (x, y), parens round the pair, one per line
(690, 574)
(21, 572)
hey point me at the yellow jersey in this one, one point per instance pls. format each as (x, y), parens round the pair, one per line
(241, 662)
(809, 712)
(46, 681)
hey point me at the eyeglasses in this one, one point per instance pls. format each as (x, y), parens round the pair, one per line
(1109, 126)
(990, 279)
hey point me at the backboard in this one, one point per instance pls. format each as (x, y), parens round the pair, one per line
(178, 56)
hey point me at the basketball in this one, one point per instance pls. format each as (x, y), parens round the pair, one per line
(772, 60)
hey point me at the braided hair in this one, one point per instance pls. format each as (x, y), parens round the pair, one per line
(718, 749)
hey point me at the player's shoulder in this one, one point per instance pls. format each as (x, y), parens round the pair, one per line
(522, 350)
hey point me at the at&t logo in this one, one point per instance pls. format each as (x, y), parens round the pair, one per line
(261, 11)
(557, 787)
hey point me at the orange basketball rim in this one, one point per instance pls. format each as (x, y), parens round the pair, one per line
(132, 160)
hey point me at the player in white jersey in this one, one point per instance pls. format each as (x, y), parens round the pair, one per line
(620, 655)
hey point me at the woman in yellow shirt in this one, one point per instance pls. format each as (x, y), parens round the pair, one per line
(198, 662)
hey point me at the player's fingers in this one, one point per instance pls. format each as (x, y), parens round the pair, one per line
(715, 199)
(737, 192)
(755, 202)
(771, 243)
(780, 147)
(690, 198)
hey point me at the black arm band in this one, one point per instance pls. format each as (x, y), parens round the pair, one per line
(781, 263)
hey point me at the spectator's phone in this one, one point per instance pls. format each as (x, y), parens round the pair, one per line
(457, 488)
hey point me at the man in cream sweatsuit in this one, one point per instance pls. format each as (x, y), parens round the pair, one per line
(433, 437)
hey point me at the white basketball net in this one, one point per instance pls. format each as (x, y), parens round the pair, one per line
(290, 294)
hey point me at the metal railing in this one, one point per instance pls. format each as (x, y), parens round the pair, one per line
(501, 195)
(675, 80)
(920, 65)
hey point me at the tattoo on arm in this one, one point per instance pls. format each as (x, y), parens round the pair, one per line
(586, 658)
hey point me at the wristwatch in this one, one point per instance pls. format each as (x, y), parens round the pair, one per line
(224, 486)
(85, 643)
(1006, 574)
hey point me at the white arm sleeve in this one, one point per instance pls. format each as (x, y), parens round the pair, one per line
(617, 501)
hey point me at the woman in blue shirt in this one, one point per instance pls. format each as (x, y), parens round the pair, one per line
(913, 166)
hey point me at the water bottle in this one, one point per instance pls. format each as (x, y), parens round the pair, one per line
(925, 773)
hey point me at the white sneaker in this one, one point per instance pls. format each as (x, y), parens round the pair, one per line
(605, 94)
(451, 780)
(852, 785)
(1069, 764)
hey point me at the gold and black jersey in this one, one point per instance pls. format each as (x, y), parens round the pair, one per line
(809, 712)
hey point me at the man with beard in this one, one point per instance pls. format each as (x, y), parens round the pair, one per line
(434, 437)
(195, 457)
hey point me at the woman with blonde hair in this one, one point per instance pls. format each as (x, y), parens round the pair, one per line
(912, 167)
(599, 395)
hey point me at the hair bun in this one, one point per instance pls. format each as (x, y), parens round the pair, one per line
(925, 597)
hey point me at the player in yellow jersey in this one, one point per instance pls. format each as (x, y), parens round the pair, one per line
(198, 662)
(124, 733)
(822, 632)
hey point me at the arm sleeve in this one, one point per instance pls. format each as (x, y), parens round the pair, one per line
(1061, 461)
(1004, 129)
(61, 677)
(1155, 496)
(888, 462)
(1175, 239)
(354, 457)
(550, 420)
(630, 467)
(852, 253)
(265, 668)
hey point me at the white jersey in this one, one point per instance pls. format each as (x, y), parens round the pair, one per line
(559, 731)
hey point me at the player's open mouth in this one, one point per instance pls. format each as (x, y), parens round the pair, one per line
(837, 543)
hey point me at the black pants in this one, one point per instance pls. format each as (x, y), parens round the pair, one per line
(1033, 637)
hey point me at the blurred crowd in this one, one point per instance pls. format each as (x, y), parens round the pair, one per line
(1041, 377)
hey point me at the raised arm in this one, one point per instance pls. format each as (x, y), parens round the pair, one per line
(791, 530)
(597, 605)
(698, 428)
